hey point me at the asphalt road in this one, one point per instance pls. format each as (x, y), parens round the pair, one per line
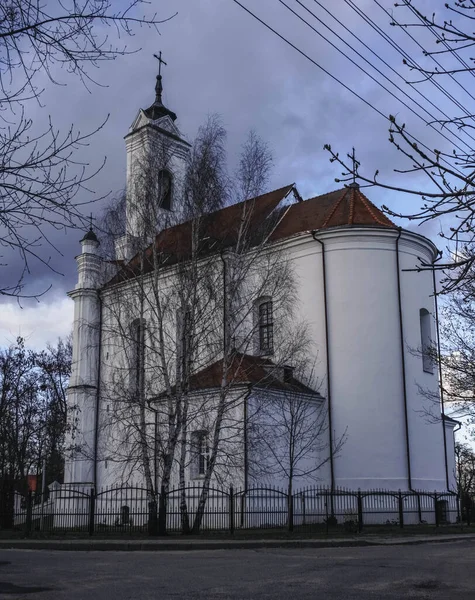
(427, 571)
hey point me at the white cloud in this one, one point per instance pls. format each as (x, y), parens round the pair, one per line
(38, 324)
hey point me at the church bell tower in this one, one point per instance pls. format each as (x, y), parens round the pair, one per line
(156, 165)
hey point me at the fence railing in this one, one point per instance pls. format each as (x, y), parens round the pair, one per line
(137, 511)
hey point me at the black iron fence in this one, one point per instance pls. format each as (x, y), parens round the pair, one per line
(136, 511)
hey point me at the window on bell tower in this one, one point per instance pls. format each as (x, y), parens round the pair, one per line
(165, 185)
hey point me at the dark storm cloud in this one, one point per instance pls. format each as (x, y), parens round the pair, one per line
(221, 61)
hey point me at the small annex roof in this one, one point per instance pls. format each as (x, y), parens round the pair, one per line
(271, 217)
(256, 371)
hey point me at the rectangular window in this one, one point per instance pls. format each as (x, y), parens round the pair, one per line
(266, 328)
(137, 380)
(200, 453)
(426, 340)
(184, 342)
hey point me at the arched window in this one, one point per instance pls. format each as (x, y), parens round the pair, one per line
(265, 324)
(426, 340)
(138, 356)
(165, 185)
(200, 453)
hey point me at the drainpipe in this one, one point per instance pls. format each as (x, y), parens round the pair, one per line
(246, 442)
(403, 363)
(225, 276)
(327, 348)
(441, 388)
(98, 393)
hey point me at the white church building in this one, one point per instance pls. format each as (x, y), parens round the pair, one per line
(368, 316)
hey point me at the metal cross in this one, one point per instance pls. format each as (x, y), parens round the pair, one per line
(356, 164)
(160, 63)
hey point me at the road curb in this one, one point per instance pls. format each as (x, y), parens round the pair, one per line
(182, 546)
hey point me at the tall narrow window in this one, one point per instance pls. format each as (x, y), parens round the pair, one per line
(184, 341)
(266, 327)
(138, 356)
(426, 340)
(200, 453)
(165, 182)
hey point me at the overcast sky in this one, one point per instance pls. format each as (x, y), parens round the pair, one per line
(220, 60)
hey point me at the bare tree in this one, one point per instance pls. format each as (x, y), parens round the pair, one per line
(54, 370)
(465, 469)
(465, 476)
(449, 196)
(161, 358)
(41, 173)
(290, 436)
(33, 411)
(183, 309)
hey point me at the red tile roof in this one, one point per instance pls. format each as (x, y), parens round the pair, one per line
(250, 370)
(347, 207)
(266, 216)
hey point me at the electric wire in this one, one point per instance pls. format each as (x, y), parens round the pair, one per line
(314, 62)
(457, 137)
(402, 52)
(417, 66)
(437, 35)
(381, 59)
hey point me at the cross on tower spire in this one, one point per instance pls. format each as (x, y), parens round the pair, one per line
(158, 85)
(354, 170)
(160, 63)
(157, 109)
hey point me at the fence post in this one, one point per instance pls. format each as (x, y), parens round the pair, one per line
(401, 510)
(162, 512)
(326, 511)
(291, 512)
(360, 512)
(419, 510)
(92, 511)
(231, 509)
(29, 513)
(436, 510)
(152, 516)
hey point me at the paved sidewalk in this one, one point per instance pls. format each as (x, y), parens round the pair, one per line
(181, 544)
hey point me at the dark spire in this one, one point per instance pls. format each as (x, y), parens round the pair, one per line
(90, 237)
(158, 90)
(158, 110)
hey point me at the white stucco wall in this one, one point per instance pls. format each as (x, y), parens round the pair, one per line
(367, 394)
(365, 354)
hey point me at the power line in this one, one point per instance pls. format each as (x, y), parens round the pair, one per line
(401, 51)
(314, 62)
(374, 78)
(416, 65)
(381, 59)
(437, 35)
(310, 59)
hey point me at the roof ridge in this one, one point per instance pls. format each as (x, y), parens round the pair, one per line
(334, 209)
(370, 206)
(352, 206)
(289, 187)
